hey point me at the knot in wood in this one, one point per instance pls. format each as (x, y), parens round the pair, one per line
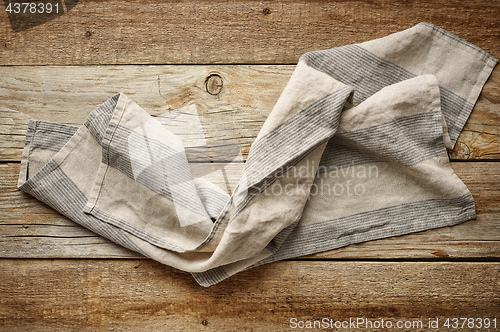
(460, 151)
(214, 84)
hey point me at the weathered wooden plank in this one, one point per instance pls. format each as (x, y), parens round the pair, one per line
(29, 228)
(194, 32)
(233, 116)
(68, 94)
(89, 295)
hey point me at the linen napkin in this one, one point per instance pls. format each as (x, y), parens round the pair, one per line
(354, 150)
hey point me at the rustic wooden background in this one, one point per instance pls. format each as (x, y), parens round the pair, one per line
(55, 275)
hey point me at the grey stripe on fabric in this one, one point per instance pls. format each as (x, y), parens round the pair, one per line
(418, 138)
(53, 126)
(150, 238)
(210, 277)
(278, 240)
(308, 128)
(97, 121)
(161, 159)
(213, 201)
(368, 73)
(289, 141)
(408, 140)
(340, 152)
(376, 224)
(53, 187)
(454, 120)
(30, 132)
(49, 135)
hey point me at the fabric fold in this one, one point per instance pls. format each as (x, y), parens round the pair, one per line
(355, 149)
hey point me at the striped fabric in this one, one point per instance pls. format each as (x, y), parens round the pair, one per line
(355, 149)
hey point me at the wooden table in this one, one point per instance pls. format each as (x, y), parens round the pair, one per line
(55, 274)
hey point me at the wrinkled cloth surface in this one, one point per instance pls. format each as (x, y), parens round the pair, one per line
(355, 149)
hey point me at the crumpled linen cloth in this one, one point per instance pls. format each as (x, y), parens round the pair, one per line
(354, 150)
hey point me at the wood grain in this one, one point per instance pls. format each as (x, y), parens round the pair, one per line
(233, 116)
(228, 32)
(89, 295)
(28, 228)
(65, 65)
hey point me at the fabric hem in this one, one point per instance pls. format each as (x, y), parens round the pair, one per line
(468, 212)
(481, 78)
(217, 275)
(103, 167)
(24, 170)
(56, 160)
(474, 94)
